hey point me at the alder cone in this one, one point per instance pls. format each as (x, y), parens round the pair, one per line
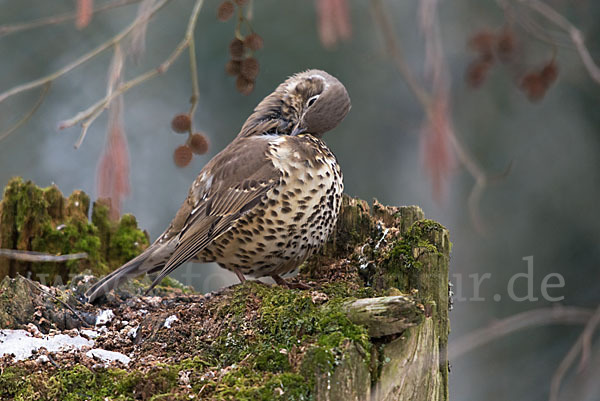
(549, 73)
(253, 42)
(225, 11)
(249, 68)
(244, 85)
(199, 143)
(477, 72)
(181, 123)
(233, 67)
(182, 156)
(505, 46)
(236, 49)
(483, 42)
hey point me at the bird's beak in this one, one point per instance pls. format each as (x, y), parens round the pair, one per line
(298, 130)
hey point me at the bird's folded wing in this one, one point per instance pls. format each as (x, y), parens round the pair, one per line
(231, 185)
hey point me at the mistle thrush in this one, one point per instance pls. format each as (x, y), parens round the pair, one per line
(265, 203)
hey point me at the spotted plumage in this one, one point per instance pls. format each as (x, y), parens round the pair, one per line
(265, 203)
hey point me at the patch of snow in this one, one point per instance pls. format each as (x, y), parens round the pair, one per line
(89, 333)
(133, 332)
(108, 356)
(105, 316)
(21, 343)
(169, 321)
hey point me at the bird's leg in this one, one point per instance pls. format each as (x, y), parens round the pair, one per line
(239, 274)
(284, 283)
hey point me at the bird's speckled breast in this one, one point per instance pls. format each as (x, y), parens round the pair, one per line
(293, 219)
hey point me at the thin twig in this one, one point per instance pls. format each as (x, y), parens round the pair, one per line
(569, 359)
(586, 338)
(574, 33)
(31, 256)
(538, 31)
(66, 305)
(6, 30)
(520, 321)
(94, 110)
(85, 126)
(481, 181)
(51, 77)
(394, 49)
(31, 112)
(194, 74)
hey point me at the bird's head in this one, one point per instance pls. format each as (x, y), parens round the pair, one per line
(311, 102)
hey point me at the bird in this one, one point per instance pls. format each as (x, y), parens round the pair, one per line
(267, 201)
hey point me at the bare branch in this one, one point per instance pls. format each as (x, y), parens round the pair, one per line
(6, 30)
(31, 256)
(586, 338)
(194, 76)
(569, 359)
(520, 321)
(96, 109)
(574, 33)
(394, 49)
(51, 77)
(31, 112)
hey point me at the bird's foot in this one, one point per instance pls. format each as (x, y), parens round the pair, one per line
(284, 283)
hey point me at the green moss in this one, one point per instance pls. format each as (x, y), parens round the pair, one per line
(275, 322)
(78, 383)
(317, 360)
(126, 242)
(401, 265)
(42, 220)
(244, 384)
(168, 283)
(270, 359)
(10, 382)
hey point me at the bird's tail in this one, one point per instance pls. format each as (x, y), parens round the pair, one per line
(133, 268)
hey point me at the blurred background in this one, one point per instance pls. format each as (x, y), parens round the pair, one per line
(502, 81)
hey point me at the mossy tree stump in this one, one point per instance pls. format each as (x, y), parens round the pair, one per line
(374, 326)
(42, 220)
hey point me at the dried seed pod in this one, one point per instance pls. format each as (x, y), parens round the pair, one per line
(253, 42)
(533, 86)
(249, 68)
(483, 42)
(549, 73)
(225, 10)
(236, 49)
(233, 67)
(505, 45)
(477, 72)
(181, 123)
(244, 85)
(199, 143)
(182, 156)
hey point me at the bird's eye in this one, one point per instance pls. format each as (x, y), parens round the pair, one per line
(312, 100)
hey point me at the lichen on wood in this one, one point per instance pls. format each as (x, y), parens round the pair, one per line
(373, 326)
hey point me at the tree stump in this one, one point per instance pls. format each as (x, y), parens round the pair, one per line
(374, 326)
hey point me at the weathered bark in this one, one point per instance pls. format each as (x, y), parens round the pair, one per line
(384, 316)
(374, 326)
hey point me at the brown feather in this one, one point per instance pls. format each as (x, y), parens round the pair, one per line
(238, 180)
